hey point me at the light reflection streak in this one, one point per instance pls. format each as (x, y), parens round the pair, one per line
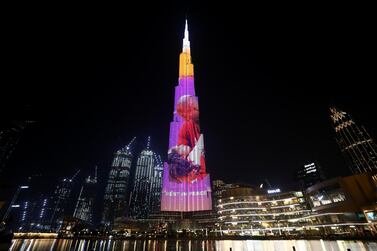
(13, 243)
(108, 244)
(53, 245)
(30, 245)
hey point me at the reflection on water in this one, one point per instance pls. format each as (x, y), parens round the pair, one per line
(188, 245)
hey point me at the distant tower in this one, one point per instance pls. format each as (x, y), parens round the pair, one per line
(35, 215)
(41, 215)
(147, 184)
(85, 203)
(157, 185)
(355, 143)
(310, 174)
(61, 197)
(115, 199)
(34, 206)
(9, 136)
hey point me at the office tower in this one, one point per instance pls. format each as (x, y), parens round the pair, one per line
(358, 148)
(61, 196)
(30, 206)
(84, 209)
(115, 199)
(310, 174)
(147, 184)
(40, 212)
(186, 184)
(157, 185)
(34, 214)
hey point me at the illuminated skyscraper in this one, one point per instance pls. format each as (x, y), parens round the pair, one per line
(357, 146)
(145, 197)
(85, 203)
(186, 184)
(35, 214)
(61, 197)
(115, 199)
(157, 185)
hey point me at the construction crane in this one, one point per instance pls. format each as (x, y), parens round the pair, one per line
(74, 176)
(129, 144)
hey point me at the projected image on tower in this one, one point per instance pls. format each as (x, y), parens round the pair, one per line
(186, 159)
(186, 184)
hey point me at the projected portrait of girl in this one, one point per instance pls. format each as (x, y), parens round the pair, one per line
(186, 159)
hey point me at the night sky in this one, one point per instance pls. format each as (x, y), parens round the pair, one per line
(265, 78)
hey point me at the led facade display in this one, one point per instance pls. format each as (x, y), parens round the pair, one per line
(186, 184)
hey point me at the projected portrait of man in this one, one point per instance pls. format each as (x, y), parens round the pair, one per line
(186, 159)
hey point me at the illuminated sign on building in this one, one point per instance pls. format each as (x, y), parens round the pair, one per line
(277, 190)
(186, 184)
(310, 168)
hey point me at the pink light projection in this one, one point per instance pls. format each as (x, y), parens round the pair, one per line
(186, 184)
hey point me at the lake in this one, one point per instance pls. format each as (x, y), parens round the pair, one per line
(189, 245)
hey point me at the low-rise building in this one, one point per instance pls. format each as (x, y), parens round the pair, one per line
(246, 211)
(345, 204)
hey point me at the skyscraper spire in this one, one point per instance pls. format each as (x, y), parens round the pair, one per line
(186, 68)
(186, 42)
(149, 142)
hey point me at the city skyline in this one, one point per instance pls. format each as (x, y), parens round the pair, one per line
(189, 125)
(264, 121)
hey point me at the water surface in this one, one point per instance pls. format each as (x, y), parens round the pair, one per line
(188, 245)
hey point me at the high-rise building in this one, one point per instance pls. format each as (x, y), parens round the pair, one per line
(61, 197)
(156, 185)
(10, 134)
(310, 174)
(31, 207)
(84, 209)
(147, 184)
(41, 210)
(34, 214)
(115, 199)
(186, 184)
(357, 146)
(36, 209)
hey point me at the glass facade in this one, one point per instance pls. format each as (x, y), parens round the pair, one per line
(115, 199)
(85, 204)
(358, 148)
(146, 192)
(327, 195)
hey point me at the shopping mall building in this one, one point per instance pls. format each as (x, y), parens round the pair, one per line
(343, 205)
